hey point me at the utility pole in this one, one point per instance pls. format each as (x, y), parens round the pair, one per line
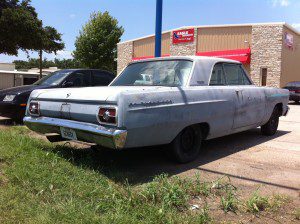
(158, 25)
(41, 63)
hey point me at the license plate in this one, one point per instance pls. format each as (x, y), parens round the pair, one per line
(68, 133)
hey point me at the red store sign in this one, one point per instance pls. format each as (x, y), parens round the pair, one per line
(183, 36)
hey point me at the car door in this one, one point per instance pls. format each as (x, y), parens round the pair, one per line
(250, 99)
(224, 97)
(101, 78)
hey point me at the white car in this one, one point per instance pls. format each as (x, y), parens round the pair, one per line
(187, 100)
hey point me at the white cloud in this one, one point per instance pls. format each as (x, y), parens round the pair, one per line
(72, 16)
(62, 54)
(296, 25)
(282, 3)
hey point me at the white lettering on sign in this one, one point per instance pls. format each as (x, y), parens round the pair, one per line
(183, 33)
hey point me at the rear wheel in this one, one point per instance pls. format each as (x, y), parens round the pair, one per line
(186, 146)
(271, 126)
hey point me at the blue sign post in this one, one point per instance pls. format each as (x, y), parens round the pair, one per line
(158, 28)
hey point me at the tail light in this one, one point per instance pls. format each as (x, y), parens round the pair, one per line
(297, 91)
(34, 109)
(107, 115)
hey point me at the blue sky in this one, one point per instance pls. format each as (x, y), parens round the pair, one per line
(138, 16)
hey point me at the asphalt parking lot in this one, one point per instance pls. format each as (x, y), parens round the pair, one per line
(249, 159)
(253, 160)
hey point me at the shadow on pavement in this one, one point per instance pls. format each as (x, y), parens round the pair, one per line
(141, 165)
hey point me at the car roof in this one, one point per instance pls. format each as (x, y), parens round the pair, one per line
(192, 58)
(85, 69)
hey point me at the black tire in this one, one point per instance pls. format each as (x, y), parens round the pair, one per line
(271, 126)
(187, 145)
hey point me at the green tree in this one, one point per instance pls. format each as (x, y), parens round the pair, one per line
(49, 40)
(96, 45)
(20, 29)
(35, 63)
(18, 25)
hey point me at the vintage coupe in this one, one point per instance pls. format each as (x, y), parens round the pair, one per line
(178, 101)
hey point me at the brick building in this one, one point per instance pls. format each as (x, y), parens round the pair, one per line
(270, 52)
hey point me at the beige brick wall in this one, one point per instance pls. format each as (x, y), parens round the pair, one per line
(125, 51)
(266, 53)
(184, 49)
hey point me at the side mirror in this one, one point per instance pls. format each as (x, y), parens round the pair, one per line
(67, 84)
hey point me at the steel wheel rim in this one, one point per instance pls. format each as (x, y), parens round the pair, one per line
(188, 140)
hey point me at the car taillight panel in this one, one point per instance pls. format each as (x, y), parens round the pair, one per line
(297, 91)
(107, 115)
(34, 109)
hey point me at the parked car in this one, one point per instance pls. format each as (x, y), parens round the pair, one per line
(189, 99)
(294, 88)
(13, 101)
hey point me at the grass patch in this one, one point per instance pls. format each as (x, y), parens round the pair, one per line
(229, 201)
(277, 201)
(45, 183)
(296, 214)
(257, 203)
(42, 186)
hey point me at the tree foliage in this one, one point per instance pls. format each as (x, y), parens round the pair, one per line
(21, 29)
(34, 63)
(96, 45)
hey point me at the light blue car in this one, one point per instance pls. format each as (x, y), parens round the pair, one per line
(174, 101)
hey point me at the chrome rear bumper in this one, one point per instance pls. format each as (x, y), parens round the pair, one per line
(107, 137)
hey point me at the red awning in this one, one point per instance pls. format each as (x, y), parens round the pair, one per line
(147, 57)
(242, 55)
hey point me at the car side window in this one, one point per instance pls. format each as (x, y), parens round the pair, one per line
(235, 75)
(79, 79)
(101, 78)
(217, 76)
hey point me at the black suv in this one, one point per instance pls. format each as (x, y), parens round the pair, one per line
(13, 100)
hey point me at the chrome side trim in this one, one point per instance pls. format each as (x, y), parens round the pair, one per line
(104, 136)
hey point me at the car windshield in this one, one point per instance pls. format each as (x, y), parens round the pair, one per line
(53, 79)
(293, 84)
(155, 73)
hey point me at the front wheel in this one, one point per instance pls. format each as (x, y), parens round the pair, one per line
(271, 126)
(186, 146)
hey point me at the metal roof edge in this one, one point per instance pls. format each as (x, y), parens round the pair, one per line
(18, 72)
(292, 28)
(222, 25)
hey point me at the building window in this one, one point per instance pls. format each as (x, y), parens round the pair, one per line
(263, 74)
